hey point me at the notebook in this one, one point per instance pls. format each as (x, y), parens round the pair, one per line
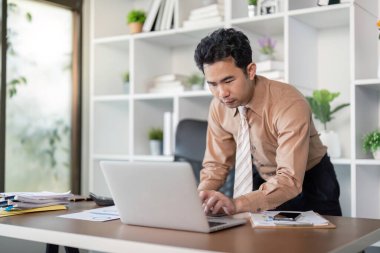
(160, 194)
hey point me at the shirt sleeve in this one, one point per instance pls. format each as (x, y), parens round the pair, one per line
(293, 127)
(219, 154)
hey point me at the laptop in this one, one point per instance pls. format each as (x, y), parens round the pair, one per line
(160, 194)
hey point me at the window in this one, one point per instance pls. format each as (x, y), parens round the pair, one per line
(42, 115)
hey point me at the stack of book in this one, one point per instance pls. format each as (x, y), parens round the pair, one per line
(169, 83)
(271, 69)
(207, 15)
(162, 15)
(32, 200)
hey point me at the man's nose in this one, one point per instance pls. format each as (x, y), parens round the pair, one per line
(223, 91)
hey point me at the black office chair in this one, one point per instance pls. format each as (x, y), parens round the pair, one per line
(190, 145)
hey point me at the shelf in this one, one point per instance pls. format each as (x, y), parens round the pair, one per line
(198, 93)
(110, 98)
(153, 158)
(341, 161)
(323, 17)
(110, 157)
(148, 96)
(267, 25)
(367, 162)
(368, 83)
(177, 37)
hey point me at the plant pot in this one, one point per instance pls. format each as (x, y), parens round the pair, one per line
(331, 140)
(155, 147)
(376, 154)
(266, 57)
(126, 88)
(135, 28)
(252, 10)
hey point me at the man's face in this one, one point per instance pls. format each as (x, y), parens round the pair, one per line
(228, 83)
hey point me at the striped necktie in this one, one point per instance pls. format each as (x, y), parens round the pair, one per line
(243, 165)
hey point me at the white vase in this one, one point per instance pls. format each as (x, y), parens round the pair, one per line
(266, 57)
(378, 70)
(251, 11)
(126, 87)
(155, 147)
(376, 154)
(331, 140)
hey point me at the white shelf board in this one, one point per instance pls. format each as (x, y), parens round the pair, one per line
(110, 157)
(341, 161)
(367, 82)
(147, 96)
(120, 42)
(110, 98)
(198, 93)
(177, 37)
(367, 162)
(153, 158)
(324, 16)
(266, 25)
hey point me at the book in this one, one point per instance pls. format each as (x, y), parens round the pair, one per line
(202, 22)
(206, 15)
(269, 65)
(168, 77)
(157, 24)
(168, 84)
(153, 11)
(167, 90)
(4, 213)
(207, 9)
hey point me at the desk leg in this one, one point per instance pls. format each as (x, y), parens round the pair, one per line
(71, 250)
(51, 248)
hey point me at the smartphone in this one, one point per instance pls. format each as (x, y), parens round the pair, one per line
(287, 216)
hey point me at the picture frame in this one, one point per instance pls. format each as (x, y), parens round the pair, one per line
(266, 7)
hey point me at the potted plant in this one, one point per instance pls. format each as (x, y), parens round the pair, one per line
(267, 48)
(155, 140)
(135, 20)
(371, 143)
(252, 8)
(126, 82)
(320, 106)
(196, 81)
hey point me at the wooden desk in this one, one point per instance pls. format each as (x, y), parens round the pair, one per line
(351, 235)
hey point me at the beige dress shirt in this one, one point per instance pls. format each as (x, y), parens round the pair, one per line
(284, 143)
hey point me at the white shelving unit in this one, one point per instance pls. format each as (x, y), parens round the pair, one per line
(333, 47)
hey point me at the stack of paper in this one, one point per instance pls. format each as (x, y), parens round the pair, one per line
(28, 200)
(271, 69)
(168, 83)
(307, 219)
(207, 15)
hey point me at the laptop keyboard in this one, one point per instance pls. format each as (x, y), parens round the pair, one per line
(213, 223)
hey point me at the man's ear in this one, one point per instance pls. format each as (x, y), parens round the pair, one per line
(251, 71)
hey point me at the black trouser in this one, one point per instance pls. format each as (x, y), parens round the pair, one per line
(320, 190)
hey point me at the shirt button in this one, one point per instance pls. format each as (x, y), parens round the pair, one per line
(258, 209)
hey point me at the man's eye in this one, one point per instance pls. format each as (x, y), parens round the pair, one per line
(229, 80)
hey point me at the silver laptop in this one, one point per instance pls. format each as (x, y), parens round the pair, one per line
(160, 194)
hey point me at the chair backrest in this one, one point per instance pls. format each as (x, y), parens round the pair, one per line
(190, 145)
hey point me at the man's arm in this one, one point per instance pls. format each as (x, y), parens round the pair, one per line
(219, 154)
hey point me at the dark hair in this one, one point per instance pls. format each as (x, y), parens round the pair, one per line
(221, 44)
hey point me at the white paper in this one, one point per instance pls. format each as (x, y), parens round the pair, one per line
(97, 214)
(308, 218)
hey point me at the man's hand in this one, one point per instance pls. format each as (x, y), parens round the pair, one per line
(215, 202)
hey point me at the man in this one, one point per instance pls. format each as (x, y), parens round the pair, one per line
(268, 124)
